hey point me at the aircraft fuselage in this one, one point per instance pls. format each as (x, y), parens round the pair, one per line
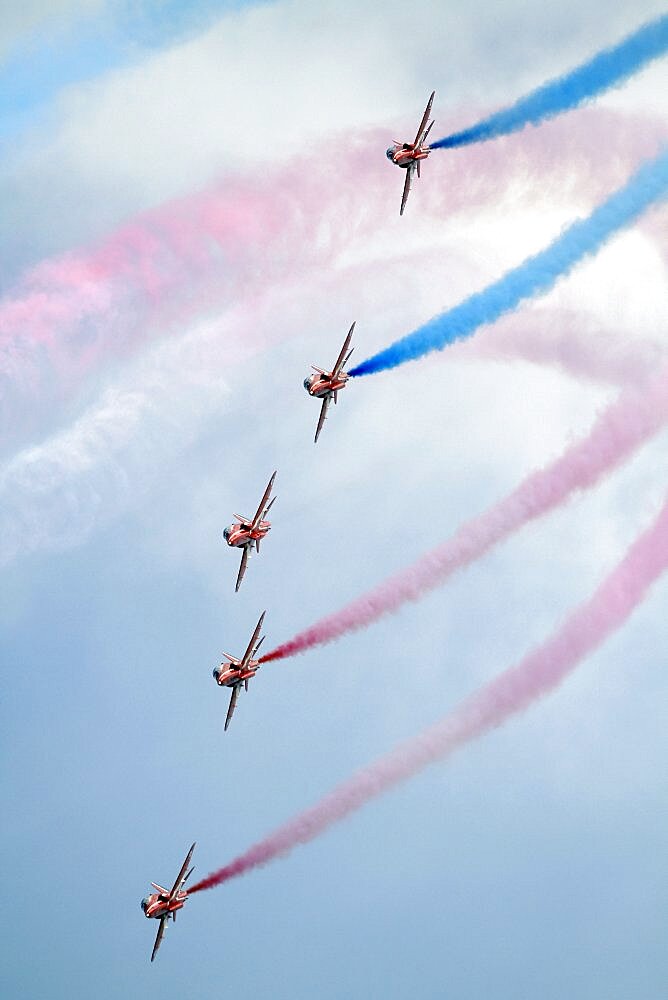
(403, 154)
(158, 904)
(240, 534)
(227, 675)
(323, 385)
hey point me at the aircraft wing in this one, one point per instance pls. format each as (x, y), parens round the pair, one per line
(263, 503)
(251, 644)
(343, 356)
(407, 187)
(425, 118)
(181, 877)
(159, 936)
(323, 415)
(242, 568)
(232, 706)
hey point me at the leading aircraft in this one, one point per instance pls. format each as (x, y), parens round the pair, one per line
(163, 904)
(407, 155)
(248, 532)
(325, 385)
(236, 673)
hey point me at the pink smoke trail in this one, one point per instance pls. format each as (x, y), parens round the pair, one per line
(637, 414)
(540, 672)
(195, 252)
(570, 342)
(563, 338)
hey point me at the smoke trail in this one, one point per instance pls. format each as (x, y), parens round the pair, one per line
(547, 336)
(68, 315)
(634, 417)
(180, 260)
(535, 275)
(54, 495)
(607, 69)
(540, 672)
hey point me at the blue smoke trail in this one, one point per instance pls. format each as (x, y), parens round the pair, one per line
(609, 67)
(533, 276)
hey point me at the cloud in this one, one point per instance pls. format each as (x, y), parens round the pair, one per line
(18, 20)
(387, 285)
(130, 624)
(54, 495)
(267, 83)
(71, 315)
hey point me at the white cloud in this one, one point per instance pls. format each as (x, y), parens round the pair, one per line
(54, 495)
(179, 436)
(18, 20)
(267, 82)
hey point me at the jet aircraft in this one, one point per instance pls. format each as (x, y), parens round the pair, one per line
(163, 904)
(407, 155)
(237, 673)
(325, 385)
(248, 532)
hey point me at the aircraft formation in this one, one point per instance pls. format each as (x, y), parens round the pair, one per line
(536, 274)
(246, 533)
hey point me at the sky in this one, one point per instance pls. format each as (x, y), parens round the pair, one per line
(196, 205)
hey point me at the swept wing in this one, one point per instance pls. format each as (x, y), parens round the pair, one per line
(344, 354)
(232, 705)
(250, 648)
(182, 876)
(422, 130)
(263, 507)
(323, 415)
(159, 936)
(242, 568)
(407, 187)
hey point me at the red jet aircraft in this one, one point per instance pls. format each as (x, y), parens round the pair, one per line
(325, 385)
(163, 904)
(236, 673)
(408, 154)
(249, 532)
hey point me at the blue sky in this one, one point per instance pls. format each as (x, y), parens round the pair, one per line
(529, 864)
(64, 51)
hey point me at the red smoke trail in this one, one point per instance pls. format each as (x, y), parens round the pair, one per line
(630, 421)
(568, 341)
(511, 692)
(175, 261)
(563, 338)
